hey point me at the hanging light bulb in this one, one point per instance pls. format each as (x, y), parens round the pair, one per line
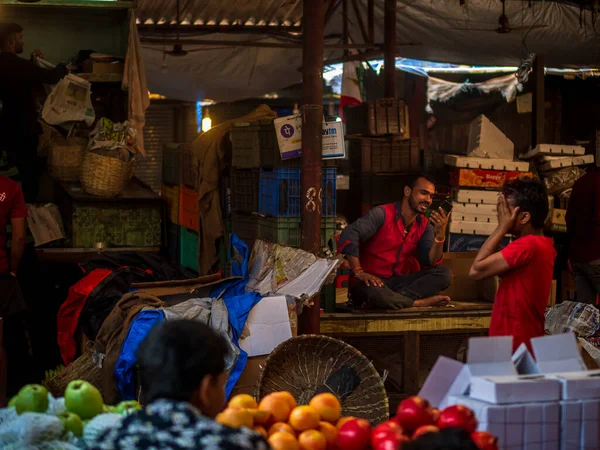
(206, 122)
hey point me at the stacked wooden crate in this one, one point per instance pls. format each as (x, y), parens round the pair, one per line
(381, 153)
(179, 190)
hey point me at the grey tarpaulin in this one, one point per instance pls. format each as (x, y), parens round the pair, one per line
(442, 30)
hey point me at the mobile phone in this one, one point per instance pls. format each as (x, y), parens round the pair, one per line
(446, 205)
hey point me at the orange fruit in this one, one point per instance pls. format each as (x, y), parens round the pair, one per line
(261, 431)
(283, 441)
(312, 440)
(277, 406)
(260, 417)
(243, 401)
(304, 418)
(328, 407)
(281, 427)
(342, 421)
(289, 397)
(330, 433)
(235, 418)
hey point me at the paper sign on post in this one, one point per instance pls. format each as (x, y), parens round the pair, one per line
(289, 138)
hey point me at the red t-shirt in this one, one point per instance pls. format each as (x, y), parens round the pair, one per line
(12, 206)
(523, 293)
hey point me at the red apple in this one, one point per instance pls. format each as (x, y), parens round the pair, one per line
(355, 434)
(414, 412)
(458, 416)
(391, 443)
(425, 429)
(484, 440)
(385, 431)
(436, 414)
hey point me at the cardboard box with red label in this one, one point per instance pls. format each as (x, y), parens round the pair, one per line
(483, 178)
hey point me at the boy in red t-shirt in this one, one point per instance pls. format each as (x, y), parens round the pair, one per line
(526, 265)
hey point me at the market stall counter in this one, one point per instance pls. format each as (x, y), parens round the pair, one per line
(406, 343)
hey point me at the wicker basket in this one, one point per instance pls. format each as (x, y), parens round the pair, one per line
(105, 176)
(302, 365)
(65, 157)
(81, 369)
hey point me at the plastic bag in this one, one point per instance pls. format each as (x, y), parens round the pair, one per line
(70, 101)
(113, 136)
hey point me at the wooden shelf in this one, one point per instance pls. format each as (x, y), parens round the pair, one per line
(97, 4)
(101, 77)
(77, 255)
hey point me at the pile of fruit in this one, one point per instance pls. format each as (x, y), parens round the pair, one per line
(319, 425)
(81, 411)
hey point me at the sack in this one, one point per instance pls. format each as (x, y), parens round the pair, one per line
(70, 101)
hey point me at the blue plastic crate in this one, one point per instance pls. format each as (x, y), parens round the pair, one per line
(280, 192)
(329, 189)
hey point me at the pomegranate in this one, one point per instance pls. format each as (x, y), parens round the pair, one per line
(414, 412)
(484, 440)
(355, 434)
(458, 416)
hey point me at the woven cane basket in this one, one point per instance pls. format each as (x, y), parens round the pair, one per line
(65, 157)
(105, 176)
(302, 365)
(81, 369)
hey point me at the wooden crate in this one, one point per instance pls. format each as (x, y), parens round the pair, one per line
(383, 117)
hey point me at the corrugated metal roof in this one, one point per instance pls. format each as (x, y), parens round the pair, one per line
(223, 12)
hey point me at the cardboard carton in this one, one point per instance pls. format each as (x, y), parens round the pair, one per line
(465, 162)
(558, 353)
(463, 287)
(557, 221)
(487, 141)
(579, 385)
(471, 196)
(249, 377)
(483, 178)
(554, 150)
(269, 326)
(513, 389)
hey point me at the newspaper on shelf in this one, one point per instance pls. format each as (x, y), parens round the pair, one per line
(277, 269)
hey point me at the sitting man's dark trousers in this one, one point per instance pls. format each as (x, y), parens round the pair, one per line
(398, 256)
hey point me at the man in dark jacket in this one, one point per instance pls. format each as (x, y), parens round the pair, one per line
(394, 252)
(20, 79)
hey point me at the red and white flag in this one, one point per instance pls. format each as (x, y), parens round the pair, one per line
(350, 87)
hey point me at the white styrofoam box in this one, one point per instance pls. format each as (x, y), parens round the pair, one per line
(478, 228)
(579, 385)
(513, 389)
(534, 419)
(490, 356)
(554, 149)
(470, 217)
(557, 354)
(566, 162)
(474, 208)
(570, 425)
(447, 377)
(485, 412)
(551, 429)
(466, 162)
(487, 141)
(515, 426)
(472, 196)
(590, 432)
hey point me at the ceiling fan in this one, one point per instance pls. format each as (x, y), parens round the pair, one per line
(504, 25)
(177, 49)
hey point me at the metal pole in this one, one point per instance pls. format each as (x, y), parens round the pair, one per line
(312, 118)
(389, 63)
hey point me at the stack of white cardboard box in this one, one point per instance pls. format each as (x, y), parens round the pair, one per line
(549, 404)
(476, 180)
(560, 166)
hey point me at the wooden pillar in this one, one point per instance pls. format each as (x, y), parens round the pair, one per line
(389, 62)
(411, 362)
(537, 119)
(312, 118)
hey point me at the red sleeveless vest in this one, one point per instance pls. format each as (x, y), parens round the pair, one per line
(390, 252)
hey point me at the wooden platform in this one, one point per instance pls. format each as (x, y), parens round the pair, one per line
(417, 335)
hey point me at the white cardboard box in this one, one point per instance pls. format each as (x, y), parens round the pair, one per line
(512, 389)
(474, 208)
(466, 162)
(579, 385)
(472, 196)
(566, 162)
(485, 356)
(555, 150)
(269, 326)
(487, 141)
(467, 227)
(474, 217)
(557, 353)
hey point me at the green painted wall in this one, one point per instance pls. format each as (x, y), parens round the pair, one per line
(61, 32)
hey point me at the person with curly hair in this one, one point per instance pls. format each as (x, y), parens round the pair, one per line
(525, 266)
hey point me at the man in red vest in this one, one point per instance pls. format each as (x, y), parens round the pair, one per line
(394, 252)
